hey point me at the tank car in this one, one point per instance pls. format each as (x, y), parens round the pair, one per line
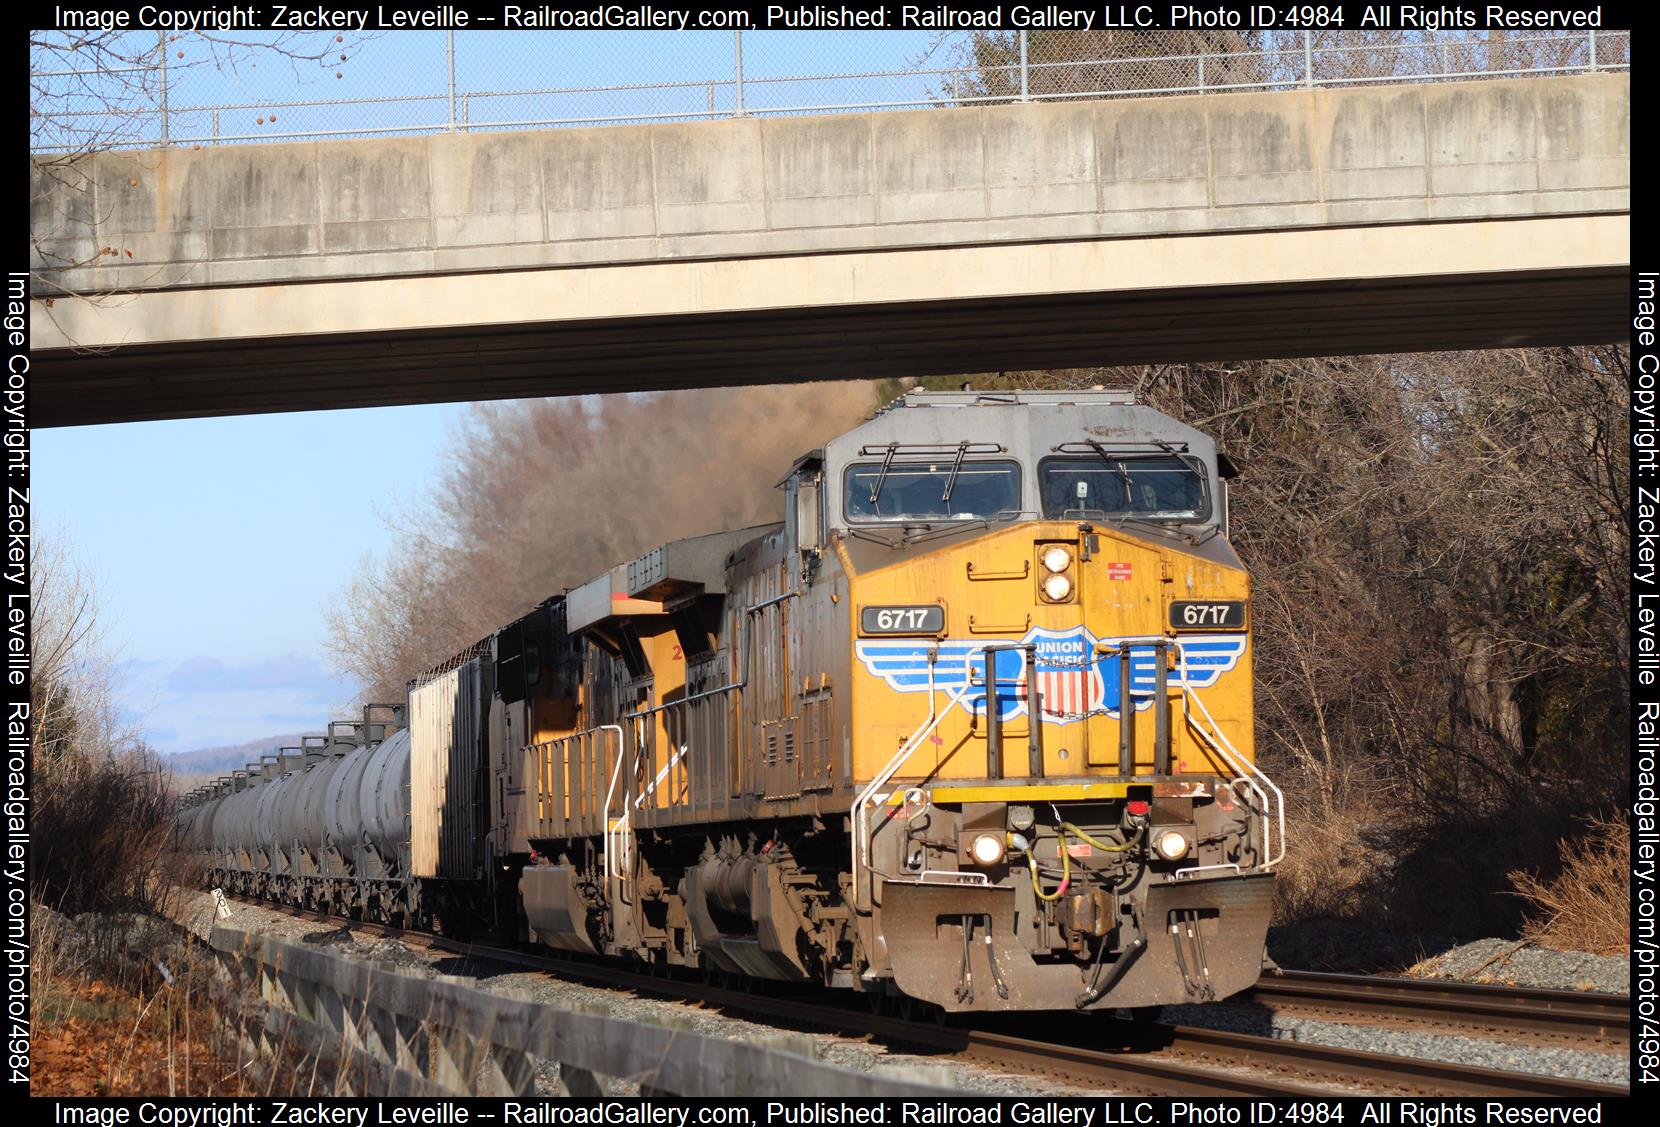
(972, 725)
(322, 825)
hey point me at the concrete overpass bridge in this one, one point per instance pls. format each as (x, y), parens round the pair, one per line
(478, 266)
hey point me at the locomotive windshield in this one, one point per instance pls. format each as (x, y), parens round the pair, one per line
(1157, 487)
(941, 489)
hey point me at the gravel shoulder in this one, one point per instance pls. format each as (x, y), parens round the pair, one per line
(1510, 963)
(1354, 949)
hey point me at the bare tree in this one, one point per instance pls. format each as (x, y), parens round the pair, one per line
(102, 805)
(541, 495)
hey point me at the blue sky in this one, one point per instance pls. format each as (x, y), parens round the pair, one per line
(217, 545)
(400, 79)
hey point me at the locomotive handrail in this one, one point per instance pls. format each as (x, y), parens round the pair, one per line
(861, 836)
(763, 605)
(1273, 809)
(605, 814)
(656, 708)
(1247, 770)
(565, 741)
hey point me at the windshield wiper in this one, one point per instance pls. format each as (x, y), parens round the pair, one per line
(876, 489)
(951, 481)
(1165, 529)
(875, 537)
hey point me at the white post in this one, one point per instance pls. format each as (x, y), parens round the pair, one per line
(1025, 77)
(449, 50)
(161, 39)
(1308, 58)
(738, 59)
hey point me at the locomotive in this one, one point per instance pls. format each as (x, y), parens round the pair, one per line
(971, 725)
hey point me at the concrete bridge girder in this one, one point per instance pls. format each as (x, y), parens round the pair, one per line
(478, 266)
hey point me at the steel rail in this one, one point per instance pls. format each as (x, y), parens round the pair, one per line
(1567, 1015)
(1354, 1067)
(1189, 1061)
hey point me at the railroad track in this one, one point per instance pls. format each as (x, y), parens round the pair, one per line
(1566, 1016)
(1079, 1050)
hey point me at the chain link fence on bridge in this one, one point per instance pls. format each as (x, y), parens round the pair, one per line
(125, 91)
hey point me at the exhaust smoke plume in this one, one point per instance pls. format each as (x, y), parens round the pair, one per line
(541, 495)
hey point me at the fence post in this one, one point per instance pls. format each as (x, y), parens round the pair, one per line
(161, 40)
(738, 61)
(1308, 59)
(449, 50)
(1592, 36)
(1025, 74)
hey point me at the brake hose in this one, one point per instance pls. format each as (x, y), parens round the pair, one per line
(1101, 845)
(1066, 871)
(1061, 830)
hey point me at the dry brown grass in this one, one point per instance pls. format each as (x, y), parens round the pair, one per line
(110, 1022)
(1585, 907)
(1328, 867)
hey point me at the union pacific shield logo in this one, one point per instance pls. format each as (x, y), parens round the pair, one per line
(1073, 679)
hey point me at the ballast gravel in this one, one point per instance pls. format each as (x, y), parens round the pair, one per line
(1527, 964)
(1540, 1060)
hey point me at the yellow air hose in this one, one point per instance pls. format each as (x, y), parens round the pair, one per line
(1066, 872)
(1066, 860)
(1068, 827)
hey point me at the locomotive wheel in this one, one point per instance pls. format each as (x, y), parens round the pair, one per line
(928, 1013)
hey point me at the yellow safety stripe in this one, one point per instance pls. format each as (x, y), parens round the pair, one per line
(1061, 792)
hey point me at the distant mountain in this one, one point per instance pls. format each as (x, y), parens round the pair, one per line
(223, 760)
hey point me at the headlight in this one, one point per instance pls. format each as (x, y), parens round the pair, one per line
(987, 849)
(1056, 588)
(1171, 844)
(1056, 559)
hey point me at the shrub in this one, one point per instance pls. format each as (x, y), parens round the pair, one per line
(1585, 906)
